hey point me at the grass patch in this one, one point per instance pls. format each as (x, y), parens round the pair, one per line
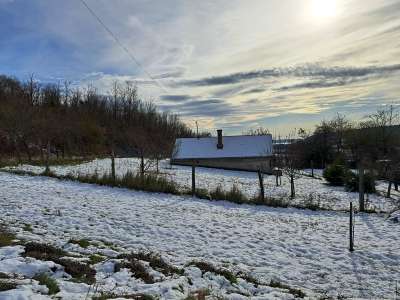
(271, 201)
(4, 276)
(46, 280)
(249, 278)
(6, 237)
(137, 268)
(109, 295)
(7, 285)
(295, 292)
(84, 243)
(149, 183)
(43, 251)
(27, 227)
(312, 201)
(207, 267)
(198, 295)
(39, 162)
(79, 271)
(155, 261)
(200, 193)
(234, 195)
(95, 259)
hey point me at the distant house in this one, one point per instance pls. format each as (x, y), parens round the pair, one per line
(243, 152)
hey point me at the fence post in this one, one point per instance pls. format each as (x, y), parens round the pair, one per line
(193, 180)
(261, 182)
(351, 229)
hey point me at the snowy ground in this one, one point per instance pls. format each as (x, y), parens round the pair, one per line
(301, 248)
(331, 197)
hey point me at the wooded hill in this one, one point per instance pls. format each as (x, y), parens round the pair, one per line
(37, 120)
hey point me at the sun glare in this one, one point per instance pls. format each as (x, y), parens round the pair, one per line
(324, 8)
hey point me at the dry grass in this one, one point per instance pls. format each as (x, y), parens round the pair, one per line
(46, 280)
(137, 268)
(6, 237)
(155, 261)
(207, 267)
(109, 295)
(79, 271)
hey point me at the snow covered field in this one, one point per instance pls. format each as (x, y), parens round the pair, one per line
(331, 197)
(301, 248)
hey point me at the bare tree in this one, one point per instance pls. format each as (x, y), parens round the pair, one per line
(291, 163)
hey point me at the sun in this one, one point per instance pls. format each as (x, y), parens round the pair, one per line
(324, 8)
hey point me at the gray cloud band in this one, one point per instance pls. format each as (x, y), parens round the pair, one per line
(314, 71)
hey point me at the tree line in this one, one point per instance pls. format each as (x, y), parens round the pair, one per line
(42, 120)
(371, 146)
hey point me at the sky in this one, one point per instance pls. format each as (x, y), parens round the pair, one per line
(230, 64)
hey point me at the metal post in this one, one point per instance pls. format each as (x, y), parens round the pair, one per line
(193, 180)
(351, 229)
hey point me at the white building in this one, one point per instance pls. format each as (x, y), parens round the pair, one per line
(243, 152)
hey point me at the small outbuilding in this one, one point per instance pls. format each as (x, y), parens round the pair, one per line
(242, 152)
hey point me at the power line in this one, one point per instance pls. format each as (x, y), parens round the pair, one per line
(123, 47)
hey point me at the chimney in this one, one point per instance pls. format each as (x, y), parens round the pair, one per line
(220, 145)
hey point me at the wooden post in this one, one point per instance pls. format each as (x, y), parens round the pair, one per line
(351, 229)
(292, 188)
(261, 182)
(277, 179)
(389, 189)
(312, 168)
(48, 150)
(113, 164)
(361, 199)
(193, 180)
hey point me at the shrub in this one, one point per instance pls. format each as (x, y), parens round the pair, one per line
(352, 182)
(335, 174)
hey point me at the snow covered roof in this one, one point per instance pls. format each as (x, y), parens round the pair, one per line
(234, 146)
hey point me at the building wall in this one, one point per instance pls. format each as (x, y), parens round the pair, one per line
(242, 164)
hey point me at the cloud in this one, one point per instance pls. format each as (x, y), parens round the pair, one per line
(175, 98)
(253, 91)
(318, 84)
(308, 70)
(213, 107)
